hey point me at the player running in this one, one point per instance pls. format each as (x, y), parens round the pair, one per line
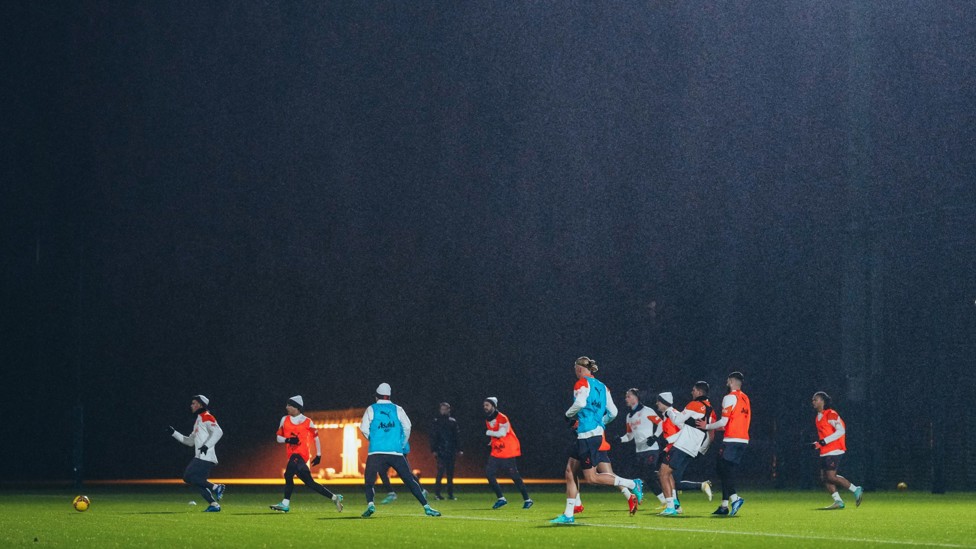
(736, 416)
(206, 433)
(832, 445)
(387, 428)
(593, 407)
(689, 442)
(505, 448)
(297, 432)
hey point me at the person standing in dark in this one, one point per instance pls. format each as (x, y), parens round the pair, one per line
(445, 438)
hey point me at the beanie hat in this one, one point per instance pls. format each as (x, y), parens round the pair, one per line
(666, 398)
(297, 402)
(384, 390)
(202, 400)
(493, 401)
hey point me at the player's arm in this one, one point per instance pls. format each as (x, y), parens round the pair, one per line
(364, 424)
(680, 418)
(405, 422)
(728, 404)
(580, 394)
(280, 437)
(628, 436)
(611, 409)
(839, 431)
(318, 444)
(501, 431)
(214, 433)
(186, 440)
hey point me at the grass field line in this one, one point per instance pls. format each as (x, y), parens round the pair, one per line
(915, 543)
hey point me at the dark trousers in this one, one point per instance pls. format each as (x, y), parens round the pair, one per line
(298, 467)
(375, 463)
(496, 465)
(729, 456)
(385, 478)
(196, 474)
(647, 466)
(445, 467)
(726, 473)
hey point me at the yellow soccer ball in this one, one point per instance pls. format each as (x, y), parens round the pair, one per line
(902, 486)
(81, 503)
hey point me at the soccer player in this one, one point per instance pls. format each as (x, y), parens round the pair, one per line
(593, 408)
(644, 428)
(505, 448)
(832, 445)
(445, 444)
(687, 444)
(736, 416)
(387, 428)
(205, 435)
(296, 432)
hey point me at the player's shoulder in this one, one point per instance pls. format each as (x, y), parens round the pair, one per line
(830, 414)
(207, 417)
(580, 383)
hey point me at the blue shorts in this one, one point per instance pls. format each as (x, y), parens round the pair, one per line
(732, 451)
(588, 452)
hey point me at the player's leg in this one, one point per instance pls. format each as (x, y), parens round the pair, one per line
(374, 463)
(589, 452)
(847, 484)
(572, 491)
(513, 472)
(290, 469)
(391, 496)
(491, 472)
(196, 474)
(400, 465)
(667, 486)
(303, 472)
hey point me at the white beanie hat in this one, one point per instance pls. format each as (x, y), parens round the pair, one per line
(202, 400)
(297, 399)
(493, 401)
(666, 398)
(384, 390)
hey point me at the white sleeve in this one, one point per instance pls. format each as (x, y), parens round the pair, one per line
(318, 445)
(280, 425)
(580, 396)
(215, 432)
(405, 421)
(628, 436)
(728, 401)
(501, 432)
(183, 438)
(611, 410)
(838, 431)
(680, 418)
(367, 419)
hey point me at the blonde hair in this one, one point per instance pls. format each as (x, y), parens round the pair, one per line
(588, 363)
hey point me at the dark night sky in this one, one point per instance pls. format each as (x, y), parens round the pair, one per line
(261, 199)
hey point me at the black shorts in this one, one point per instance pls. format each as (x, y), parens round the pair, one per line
(678, 461)
(732, 451)
(588, 452)
(830, 463)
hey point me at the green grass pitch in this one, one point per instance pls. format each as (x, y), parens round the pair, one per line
(163, 517)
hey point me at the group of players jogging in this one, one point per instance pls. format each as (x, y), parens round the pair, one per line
(666, 441)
